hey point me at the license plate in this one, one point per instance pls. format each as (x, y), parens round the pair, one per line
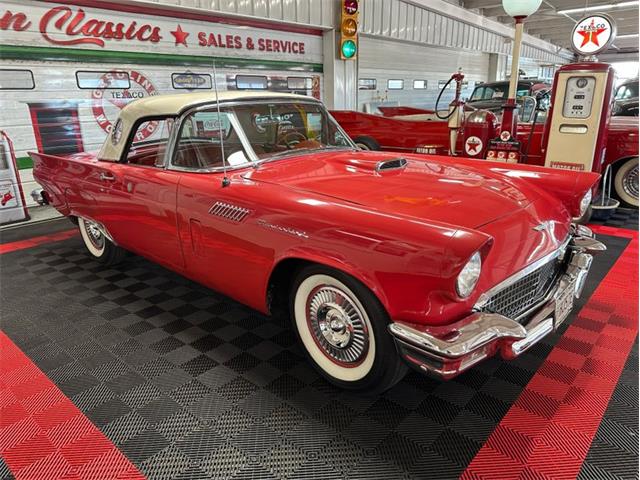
(564, 303)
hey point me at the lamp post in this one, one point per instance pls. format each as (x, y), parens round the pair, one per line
(519, 10)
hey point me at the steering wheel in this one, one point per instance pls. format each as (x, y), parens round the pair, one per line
(291, 139)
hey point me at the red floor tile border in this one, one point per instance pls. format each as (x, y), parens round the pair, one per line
(43, 435)
(35, 241)
(549, 429)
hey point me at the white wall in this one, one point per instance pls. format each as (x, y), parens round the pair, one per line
(388, 59)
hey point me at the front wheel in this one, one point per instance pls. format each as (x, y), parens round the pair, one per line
(625, 183)
(343, 328)
(98, 245)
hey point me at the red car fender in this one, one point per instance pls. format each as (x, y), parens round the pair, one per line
(564, 185)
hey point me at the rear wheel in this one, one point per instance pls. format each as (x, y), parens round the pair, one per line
(625, 183)
(343, 328)
(98, 245)
(366, 143)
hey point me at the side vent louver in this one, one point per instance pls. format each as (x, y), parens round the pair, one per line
(391, 164)
(228, 211)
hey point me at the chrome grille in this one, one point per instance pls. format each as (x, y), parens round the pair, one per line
(515, 299)
(228, 211)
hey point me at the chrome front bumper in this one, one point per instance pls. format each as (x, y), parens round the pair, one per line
(447, 351)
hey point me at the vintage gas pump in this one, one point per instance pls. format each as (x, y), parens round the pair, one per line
(455, 115)
(575, 135)
(13, 208)
(576, 130)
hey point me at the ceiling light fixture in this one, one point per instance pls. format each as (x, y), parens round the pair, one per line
(599, 8)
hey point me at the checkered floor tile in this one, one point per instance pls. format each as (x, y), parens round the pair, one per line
(189, 384)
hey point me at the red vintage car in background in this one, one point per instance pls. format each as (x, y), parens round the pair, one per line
(383, 261)
(409, 129)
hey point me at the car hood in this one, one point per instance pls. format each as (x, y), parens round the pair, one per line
(428, 187)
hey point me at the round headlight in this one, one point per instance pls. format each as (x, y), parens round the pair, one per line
(468, 277)
(585, 202)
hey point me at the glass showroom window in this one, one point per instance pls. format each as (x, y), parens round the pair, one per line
(97, 80)
(366, 84)
(16, 80)
(251, 82)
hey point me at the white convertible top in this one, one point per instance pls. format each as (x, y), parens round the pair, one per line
(172, 105)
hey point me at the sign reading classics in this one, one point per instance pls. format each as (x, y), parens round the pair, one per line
(593, 34)
(34, 23)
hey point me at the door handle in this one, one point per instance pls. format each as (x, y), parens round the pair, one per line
(104, 176)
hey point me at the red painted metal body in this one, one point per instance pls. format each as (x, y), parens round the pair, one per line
(404, 233)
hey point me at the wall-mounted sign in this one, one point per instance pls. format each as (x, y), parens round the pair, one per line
(191, 81)
(35, 23)
(593, 34)
(101, 98)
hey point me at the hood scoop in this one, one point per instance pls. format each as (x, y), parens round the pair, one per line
(391, 164)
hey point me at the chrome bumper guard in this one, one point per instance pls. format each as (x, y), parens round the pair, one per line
(449, 350)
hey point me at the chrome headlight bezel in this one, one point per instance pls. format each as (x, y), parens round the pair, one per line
(469, 276)
(585, 202)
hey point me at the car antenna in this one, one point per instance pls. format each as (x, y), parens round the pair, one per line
(225, 180)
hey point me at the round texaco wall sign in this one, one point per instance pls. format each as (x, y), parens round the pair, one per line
(593, 34)
(106, 96)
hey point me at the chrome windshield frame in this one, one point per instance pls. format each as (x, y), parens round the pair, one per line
(254, 161)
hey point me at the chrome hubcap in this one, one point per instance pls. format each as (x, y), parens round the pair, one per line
(630, 182)
(338, 325)
(95, 235)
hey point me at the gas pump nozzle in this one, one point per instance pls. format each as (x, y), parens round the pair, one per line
(456, 112)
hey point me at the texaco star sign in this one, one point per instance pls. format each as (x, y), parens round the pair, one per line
(593, 34)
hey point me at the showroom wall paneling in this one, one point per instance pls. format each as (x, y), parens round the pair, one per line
(415, 62)
(439, 23)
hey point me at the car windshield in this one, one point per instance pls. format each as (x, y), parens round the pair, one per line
(628, 90)
(254, 132)
(274, 129)
(496, 92)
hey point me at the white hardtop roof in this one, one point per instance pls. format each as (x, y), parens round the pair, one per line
(174, 104)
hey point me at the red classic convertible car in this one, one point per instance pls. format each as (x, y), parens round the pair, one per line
(383, 260)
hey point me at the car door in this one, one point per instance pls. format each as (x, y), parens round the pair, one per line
(221, 249)
(142, 197)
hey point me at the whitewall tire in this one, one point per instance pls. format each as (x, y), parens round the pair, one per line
(97, 244)
(625, 182)
(343, 329)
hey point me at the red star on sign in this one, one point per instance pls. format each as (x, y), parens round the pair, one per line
(180, 36)
(472, 146)
(590, 34)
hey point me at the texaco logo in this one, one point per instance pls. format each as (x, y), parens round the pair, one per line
(593, 34)
(139, 87)
(473, 145)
